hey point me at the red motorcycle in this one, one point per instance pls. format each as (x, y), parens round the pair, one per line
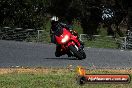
(68, 43)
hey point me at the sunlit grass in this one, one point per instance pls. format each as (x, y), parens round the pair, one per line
(102, 42)
(54, 78)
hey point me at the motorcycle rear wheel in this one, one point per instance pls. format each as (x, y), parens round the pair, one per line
(57, 54)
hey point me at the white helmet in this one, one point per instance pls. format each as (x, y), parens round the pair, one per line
(54, 18)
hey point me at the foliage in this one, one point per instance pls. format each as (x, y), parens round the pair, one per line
(23, 13)
(34, 13)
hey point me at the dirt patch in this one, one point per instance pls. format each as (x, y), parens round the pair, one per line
(58, 70)
(32, 70)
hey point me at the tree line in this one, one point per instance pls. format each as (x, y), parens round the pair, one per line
(35, 13)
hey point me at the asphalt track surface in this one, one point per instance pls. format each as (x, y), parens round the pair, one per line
(42, 55)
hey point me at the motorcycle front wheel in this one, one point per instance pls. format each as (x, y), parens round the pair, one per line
(77, 54)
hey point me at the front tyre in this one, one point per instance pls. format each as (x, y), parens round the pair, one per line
(84, 55)
(76, 53)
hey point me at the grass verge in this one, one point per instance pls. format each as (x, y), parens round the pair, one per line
(52, 78)
(102, 42)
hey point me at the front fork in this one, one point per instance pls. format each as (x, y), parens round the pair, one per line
(78, 45)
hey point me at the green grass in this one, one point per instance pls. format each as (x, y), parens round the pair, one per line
(53, 79)
(102, 42)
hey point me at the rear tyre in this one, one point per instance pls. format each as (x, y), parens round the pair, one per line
(84, 55)
(57, 54)
(69, 54)
(76, 53)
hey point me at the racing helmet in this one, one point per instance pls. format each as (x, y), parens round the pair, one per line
(54, 20)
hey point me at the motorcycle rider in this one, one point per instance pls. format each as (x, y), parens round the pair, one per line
(55, 26)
